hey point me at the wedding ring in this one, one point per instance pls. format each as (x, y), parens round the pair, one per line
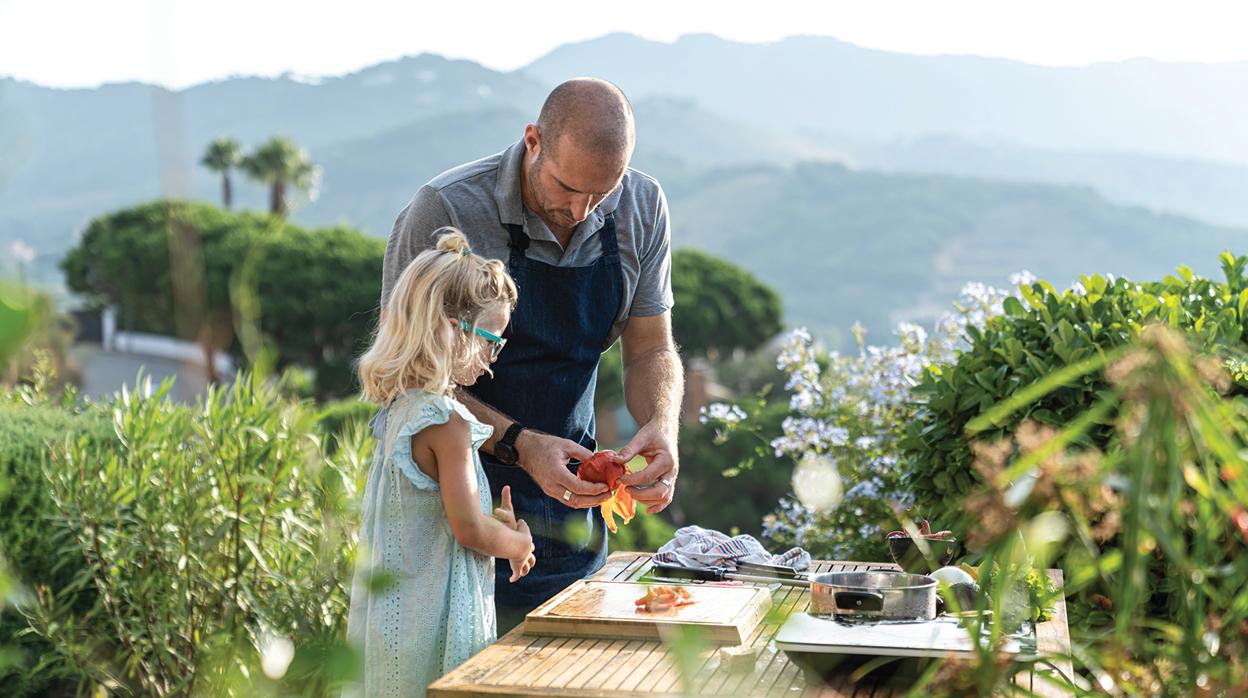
(567, 495)
(667, 482)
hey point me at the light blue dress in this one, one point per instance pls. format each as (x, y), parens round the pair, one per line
(437, 608)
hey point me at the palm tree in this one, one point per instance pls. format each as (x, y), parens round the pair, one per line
(223, 155)
(280, 163)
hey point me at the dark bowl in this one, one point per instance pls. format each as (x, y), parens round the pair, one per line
(906, 554)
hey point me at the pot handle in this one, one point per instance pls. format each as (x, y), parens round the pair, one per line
(859, 601)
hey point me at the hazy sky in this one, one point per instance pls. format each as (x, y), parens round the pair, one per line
(182, 42)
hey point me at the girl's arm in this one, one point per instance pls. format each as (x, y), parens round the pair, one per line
(451, 448)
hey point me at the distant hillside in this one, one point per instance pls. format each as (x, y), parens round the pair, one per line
(1212, 190)
(702, 102)
(71, 154)
(1183, 109)
(367, 181)
(842, 246)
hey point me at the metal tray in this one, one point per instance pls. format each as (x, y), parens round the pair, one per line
(945, 636)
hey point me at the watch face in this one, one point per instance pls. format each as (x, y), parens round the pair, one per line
(505, 453)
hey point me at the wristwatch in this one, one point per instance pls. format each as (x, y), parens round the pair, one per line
(505, 448)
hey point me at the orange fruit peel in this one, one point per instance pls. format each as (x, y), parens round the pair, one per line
(603, 468)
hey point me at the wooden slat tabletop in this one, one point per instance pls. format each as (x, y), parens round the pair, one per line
(526, 665)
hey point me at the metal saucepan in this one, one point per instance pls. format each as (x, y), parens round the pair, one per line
(873, 596)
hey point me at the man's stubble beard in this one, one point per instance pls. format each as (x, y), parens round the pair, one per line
(544, 211)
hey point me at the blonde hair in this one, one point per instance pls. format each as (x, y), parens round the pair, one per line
(416, 344)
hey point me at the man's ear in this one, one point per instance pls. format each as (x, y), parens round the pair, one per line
(533, 140)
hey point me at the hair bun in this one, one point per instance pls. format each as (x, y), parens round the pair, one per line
(452, 241)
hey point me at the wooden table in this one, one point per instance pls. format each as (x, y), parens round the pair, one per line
(526, 665)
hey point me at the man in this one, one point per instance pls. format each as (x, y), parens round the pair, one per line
(588, 243)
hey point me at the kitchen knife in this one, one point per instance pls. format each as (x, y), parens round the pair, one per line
(720, 574)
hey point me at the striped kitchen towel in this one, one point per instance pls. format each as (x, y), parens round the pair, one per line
(703, 548)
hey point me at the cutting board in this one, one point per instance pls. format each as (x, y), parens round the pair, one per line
(593, 608)
(937, 638)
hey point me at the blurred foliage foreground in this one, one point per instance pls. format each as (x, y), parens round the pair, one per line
(173, 549)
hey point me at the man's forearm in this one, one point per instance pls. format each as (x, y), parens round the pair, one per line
(654, 386)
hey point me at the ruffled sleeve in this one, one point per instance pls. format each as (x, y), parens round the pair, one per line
(411, 416)
(477, 431)
(417, 411)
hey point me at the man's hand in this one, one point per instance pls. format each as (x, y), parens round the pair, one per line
(545, 458)
(658, 479)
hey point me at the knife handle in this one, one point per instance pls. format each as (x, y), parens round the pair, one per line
(780, 571)
(678, 572)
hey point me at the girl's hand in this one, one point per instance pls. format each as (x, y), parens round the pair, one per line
(506, 513)
(521, 565)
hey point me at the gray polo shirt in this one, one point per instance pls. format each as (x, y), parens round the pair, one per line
(481, 198)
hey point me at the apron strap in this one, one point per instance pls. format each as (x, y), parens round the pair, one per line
(610, 244)
(519, 241)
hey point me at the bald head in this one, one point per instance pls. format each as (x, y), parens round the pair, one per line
(594, 114)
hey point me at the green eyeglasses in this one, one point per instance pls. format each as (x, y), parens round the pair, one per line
(496, 343)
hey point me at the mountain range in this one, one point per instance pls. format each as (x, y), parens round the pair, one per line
(864, 185)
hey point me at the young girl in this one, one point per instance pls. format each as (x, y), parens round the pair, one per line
(422, 600)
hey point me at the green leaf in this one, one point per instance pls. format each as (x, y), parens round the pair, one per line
(1065, 331)
(1037, 364)
(986, 379)
(1013, 307)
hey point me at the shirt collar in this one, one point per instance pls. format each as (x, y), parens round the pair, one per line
(507, 188)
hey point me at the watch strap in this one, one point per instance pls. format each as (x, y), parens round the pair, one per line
(512, 433)
(505, 449)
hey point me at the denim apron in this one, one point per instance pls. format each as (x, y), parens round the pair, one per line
(545, 380)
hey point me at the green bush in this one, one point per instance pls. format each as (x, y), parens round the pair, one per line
(645, 533)
(125, 258)
(1042, 333)
(296, 296)
(32, 332)
(211, 534)
(32, 546)
(316, 297)
(343, 417)
(723, 307)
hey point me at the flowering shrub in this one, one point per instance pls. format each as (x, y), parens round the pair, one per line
(846, 417)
